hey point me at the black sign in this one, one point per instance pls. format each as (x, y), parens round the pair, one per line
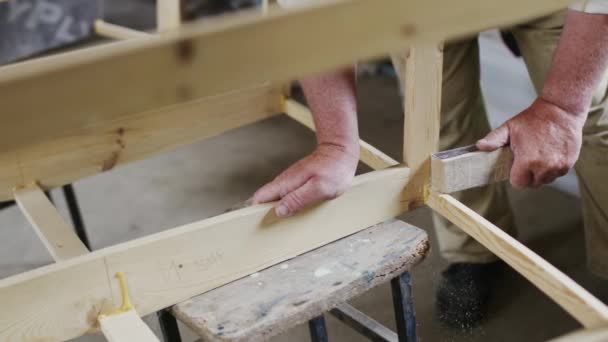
(29, 27)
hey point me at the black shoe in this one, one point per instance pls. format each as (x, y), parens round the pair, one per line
(462, 297)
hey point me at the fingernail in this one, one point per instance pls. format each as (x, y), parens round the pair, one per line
(282, 211)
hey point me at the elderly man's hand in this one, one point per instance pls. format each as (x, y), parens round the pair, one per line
(545, 140)
(324, 174)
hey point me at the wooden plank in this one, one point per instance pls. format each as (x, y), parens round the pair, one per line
(109, 30)
(169, 267)
(588, 335)
(278, 298)
(422, 109)
(203, 59)
(57, 236)
(126, 327)
(168, 15)
(573, 298)
(100, 146)
(466, 167)
(369, 155)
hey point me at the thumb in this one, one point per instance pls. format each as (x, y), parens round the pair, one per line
(309, 193)
(495, 139)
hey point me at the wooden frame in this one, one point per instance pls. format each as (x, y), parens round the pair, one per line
(187, 84)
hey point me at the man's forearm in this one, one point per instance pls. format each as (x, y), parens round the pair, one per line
(332, 99)
(579, 63)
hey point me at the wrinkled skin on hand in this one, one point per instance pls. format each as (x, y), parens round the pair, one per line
(545, 140)
(323, 175)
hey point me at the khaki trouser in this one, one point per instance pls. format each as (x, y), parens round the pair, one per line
(464, 121)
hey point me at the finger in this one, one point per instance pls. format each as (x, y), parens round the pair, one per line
(277, 188)
(310, 193)
(521, 175)
(545, 177)
(495, 139)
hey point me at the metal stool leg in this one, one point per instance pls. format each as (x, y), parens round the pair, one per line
(403, 303)
(318, 329)
(72, 201)
(168, 326)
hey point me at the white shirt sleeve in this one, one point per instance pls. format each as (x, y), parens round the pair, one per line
(591, 6)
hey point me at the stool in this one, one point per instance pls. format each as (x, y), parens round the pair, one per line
(274, 300)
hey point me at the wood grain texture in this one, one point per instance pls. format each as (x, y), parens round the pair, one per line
(126, 327)
(64, 299)
(423, 68)
(168, 15)
(369, 155)
(573, 298)
(272, 301)
(98, 146)
(109, 30)
(466, 168)
(57, 236)
(204, 59)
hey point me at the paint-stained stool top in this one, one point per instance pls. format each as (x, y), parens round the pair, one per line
(270, 302)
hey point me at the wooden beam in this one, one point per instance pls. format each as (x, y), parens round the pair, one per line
(99, 146)
(169, 267)
(108, 30)
(573, 298)
(126, 327)
(57, 236)
(466, 167)
(205, 59)
(369, 155)
(422, 109)
(168, 15)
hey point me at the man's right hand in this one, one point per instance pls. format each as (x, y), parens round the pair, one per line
(323, 175)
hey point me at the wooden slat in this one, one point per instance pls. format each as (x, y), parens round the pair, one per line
(363, 324)
(126, 327)
(109, 30)
(370, 155)
(100, 146)
(106, 82)
(58, 237)
(422, 109)
(573, 298)
(168, 15)
(166, 268)
(466, 167)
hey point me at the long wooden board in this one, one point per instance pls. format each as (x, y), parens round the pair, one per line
(96, 147)
(573, 298)
(51, 96)
(63, 300)
(56, 234)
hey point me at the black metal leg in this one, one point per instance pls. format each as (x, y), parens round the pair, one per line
(318, 330)
(168, 326)
(403, 303)
(72, 201)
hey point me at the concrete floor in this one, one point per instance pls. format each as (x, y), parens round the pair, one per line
(203, 179)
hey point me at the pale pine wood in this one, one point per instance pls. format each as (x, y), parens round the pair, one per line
(573, 298)
(109, 30)
(57, 236)
(98, 146)
(168, 15)
(369, 155)
(206, 59)
(126, 327)
(422, 109)
(169, 267)
(466, 168)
